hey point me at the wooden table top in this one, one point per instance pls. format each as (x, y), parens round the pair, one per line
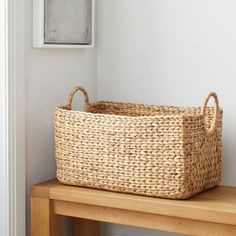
(216, 205)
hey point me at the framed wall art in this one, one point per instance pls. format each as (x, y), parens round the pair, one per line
(63, 23)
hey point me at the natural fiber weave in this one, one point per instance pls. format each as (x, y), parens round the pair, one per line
(161, 151)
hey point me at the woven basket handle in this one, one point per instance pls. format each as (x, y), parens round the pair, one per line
(73, 92)
(216, 111)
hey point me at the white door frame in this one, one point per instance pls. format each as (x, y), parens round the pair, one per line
(12, 118)
(3, 125)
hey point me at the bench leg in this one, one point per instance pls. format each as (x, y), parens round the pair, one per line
(43, 221)
(83, 227)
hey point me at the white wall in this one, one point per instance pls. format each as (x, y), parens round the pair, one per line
(51, 74)
(170, 52)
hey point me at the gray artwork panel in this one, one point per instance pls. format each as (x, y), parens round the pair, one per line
(68, 22)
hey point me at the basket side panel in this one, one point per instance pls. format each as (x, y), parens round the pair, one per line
(141, 155)
(202, 154)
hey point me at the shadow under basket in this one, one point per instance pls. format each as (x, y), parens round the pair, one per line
(158, 151)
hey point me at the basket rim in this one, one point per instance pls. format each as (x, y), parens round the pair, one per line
(182, 115)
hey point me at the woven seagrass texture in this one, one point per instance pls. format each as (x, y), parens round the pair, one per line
(161, 151)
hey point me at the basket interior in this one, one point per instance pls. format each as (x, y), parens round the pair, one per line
(131, 109)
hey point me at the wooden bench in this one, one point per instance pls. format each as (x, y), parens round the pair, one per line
(209, 213)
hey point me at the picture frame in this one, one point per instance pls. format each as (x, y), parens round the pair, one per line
(63, 23)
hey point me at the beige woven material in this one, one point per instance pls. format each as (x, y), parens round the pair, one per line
(161, 151)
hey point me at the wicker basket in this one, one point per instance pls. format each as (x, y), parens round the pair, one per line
(161, 151)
